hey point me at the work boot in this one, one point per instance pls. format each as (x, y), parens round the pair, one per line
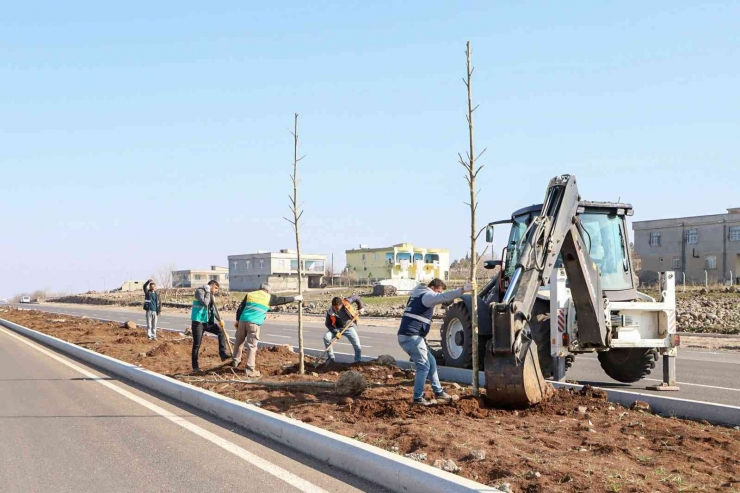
(235, 363)
(444, 397)
(252, 373)
(225, 357)
(422, 401)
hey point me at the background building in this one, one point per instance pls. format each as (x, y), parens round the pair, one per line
(192, 278)
(690, 245)
(131, 285)
(280, 269)
(402, 261)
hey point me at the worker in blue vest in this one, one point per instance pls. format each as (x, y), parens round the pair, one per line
(415, 325)
(205, 318)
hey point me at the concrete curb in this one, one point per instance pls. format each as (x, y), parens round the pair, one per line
(374, 464)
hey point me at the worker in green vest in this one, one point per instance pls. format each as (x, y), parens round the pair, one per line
(205, 318)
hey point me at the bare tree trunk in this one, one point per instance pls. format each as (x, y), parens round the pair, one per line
(297, 213)
(164, 280)
(472, 173)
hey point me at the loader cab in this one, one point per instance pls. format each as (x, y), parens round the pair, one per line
(604, 230)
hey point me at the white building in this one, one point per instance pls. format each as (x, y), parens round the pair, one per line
(280, 269)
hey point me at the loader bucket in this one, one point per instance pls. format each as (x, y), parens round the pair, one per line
(515, 380)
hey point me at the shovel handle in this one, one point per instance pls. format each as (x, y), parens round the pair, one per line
(336, 338)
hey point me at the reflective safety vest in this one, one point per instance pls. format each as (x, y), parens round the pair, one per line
(199, 312)
(350, 312)
(417, 317)
(255, 307)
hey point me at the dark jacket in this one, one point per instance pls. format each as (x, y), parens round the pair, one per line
(204, 297)
(148, 299)
(336, 320)
(417, 317)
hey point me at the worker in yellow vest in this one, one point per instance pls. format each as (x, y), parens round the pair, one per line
(250, 315)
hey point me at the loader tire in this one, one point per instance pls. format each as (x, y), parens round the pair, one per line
(628, 365)
(457, 350)
(457, 337)
(540, 332)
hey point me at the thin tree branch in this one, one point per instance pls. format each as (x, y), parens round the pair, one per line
(481, 256)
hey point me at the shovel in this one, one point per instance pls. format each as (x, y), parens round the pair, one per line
(349, 324)
(226, 335)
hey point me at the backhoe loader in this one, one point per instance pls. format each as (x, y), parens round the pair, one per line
(565, 286)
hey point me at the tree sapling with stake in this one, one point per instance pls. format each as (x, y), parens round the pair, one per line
(472, 173)
(297, 213)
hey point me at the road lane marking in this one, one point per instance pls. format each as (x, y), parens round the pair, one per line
(677, 383)
(696, 385)
(270, 468)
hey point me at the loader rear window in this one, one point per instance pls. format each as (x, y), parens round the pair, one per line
(607, 244)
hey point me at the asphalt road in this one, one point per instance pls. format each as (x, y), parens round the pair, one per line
(702, 375)
(68, 428)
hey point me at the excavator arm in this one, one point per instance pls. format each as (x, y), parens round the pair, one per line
(513, 375)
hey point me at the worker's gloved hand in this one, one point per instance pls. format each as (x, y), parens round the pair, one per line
(298, 298)
(221, 323)
(468, 287)
(362, 311)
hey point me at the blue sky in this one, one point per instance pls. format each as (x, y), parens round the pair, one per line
(147, 133)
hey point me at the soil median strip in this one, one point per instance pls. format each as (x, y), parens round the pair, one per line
(576, 441)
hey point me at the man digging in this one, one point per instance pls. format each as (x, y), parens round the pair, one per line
(415, 325)
(342, 315)
(250, 315)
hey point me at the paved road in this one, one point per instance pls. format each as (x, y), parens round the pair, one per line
(68, 428)
(702, 375)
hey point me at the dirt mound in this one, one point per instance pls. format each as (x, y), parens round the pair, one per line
(280, 351)
(125, 340)
(164, 349)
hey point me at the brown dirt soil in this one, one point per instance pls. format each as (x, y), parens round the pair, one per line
(552, 447)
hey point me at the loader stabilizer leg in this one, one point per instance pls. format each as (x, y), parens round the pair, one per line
(558, 368)
(515, 380)
(669, 375)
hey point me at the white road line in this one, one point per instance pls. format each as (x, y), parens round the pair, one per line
(696, 385)
(283, 337)
(677, 383)
(593, 359)
(290, 478)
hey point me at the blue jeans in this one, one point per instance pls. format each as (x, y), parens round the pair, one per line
(426, 366)
(352, 337)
